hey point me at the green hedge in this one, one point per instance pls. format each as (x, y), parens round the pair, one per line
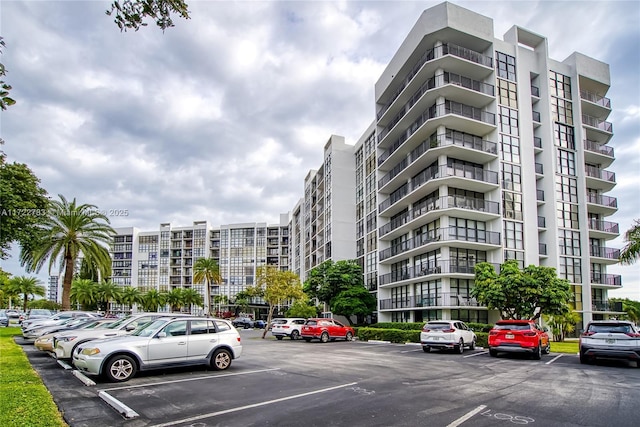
(416, 326)
(403, 336)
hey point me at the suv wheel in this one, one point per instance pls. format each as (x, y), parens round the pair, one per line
(324, 337)
(221, 359)
(120, 368)
(279, 337)
(426, 348)
(295, 334)
(493, 353)
(537, 353)
(349, 336)
(473, 345)
(460, 347)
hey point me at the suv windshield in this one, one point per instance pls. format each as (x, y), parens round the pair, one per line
(147, 329)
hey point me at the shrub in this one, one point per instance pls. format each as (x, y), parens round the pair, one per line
(479, 327)
(388, 334)
(399, 325)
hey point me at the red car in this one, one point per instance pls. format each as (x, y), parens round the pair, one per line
(518, 336)
(326, 330)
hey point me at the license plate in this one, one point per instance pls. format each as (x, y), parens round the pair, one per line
(509, 336)
(610, 341)
(435, 338)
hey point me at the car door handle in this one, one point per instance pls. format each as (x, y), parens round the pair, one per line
(213, 340)
(182, 343)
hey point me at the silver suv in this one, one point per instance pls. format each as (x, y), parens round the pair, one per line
(166, 342)
(610, 339)
(65, 342)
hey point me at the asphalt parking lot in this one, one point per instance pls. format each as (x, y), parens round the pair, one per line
(294, 383)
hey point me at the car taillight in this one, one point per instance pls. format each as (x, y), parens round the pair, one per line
(529, 334)
(631, 334)
(238, 338)
(448, 331)
(425, 330)
(285, 327)
(587, 334)
(493, 332)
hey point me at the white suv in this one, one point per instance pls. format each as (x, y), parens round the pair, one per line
(166, 342)
(447, 334)
(287, 327)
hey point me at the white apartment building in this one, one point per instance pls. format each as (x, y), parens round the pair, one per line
(489, 150)
(163, 259)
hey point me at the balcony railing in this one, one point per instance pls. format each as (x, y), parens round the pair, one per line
(540, 195)
(595, 172)
(597, 123)
(436, 172)
(439, 110)
(459, 139)
(536, 116)
(606, 226)
(596, 99)
(539, 168)
(594, 147)
(445, 202)
(604, 252)
(598, 199)
(537, 142)
(429, 300)
(605, 305)
(443, 234)
(542, 248)
(535, 91)
(542, 222)
(606, 279)
(430, 55)
(461, 266)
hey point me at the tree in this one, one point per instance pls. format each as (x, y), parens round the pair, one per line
(152, 299)
(219, 300)
(45, 304)
(22, 205)
(630, 307)
(192, 297)
(85, 293)
(328, 279)
(241, 301)
(207, 270)
(355, 301)
(276, 287)
(175, 299)
(304, 309)
(516, 294)
(69, 231)
(107, 292)
(5, 100)
(631, 252)
(26, 286)
(130, 14)
(563, 324)
(130, 296)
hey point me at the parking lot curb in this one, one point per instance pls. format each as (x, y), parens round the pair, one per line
(123, 409)
(85, 380)
(65, 365)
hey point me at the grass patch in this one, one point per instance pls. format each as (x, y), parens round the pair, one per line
(25, 399)
(564, 347)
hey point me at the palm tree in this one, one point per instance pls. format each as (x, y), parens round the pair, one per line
(26, 286)
(152, 299)
(107, 292)
(130, 296)
(207, 270)
(175, 299)
(192, 297)
(85, 293)
(68, 232)
(631, 252)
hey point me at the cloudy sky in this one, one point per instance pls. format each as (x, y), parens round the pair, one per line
(221, 117)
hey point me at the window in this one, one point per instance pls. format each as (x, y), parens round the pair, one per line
(564, 136)
(512, 205)
(507, 94)
(511, 177)
(508, 120)
(570, 269)
(566, 163)
(567, 188)
(506, 66)
(567, 215)
(560, 85)
(176, 329)
(513, 235)
(562, 110)
(569, 242)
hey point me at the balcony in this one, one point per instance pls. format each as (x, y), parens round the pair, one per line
(604, 252)
(429, 56)
(430, 301)
(606, 279)
(595, 147)
(607, 306)
(444, 234)
(602, 179)
(542, 248)
(542, 222)
(535, 91)
(535, 116)
(595, 99)
(537, 142)
(603, 229)
(475, 149)
(539, 169)
(595, 105)
(434, 205)
(540, 195)
(485, 118)
(462, 267)
(601, 204)
(463, 176)
(597, 123)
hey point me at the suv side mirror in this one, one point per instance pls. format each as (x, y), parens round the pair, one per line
(161, 334)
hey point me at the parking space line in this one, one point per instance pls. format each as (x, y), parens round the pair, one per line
(475, 354)
(411, 351)
(255, 405)
(466, 416)
(554, 359)
(191, 379)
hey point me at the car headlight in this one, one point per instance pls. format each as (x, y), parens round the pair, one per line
(90, 351)
(66, 339)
